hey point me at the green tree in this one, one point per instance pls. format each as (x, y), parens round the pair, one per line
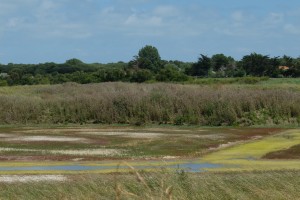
(202, 67)
(170, 72)
(141, 75)
(287, 61)
(294, 67)
(256, 64)
(223, 66)
(219, 61)
(74, 61)
(15, 76)
(272, 69)
(148, 58)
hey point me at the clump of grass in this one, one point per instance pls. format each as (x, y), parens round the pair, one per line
(148, 186)
(160, 103)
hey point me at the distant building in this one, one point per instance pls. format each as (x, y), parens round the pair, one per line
(3, 75)
(284, 68)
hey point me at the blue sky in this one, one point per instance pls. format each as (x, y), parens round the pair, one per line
(37, 31)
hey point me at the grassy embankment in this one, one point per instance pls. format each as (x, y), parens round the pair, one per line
(267, 102)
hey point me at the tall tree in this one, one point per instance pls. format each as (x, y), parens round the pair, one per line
(148, 58)
(287, 61)
(202, 67)
(219, 61)
(256, 64)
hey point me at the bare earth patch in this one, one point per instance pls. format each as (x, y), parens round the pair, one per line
(230, 144)
(31, 178)
(47, 138)
(103, 152)
(127, 134)
(167, 129)
(170, 157)
(71, 130)
(211, 136)
(151, 135)
(6, 135)
(15, 149)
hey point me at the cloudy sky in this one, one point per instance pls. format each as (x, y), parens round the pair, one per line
(35, 31)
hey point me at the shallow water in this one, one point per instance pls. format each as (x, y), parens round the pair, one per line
(189, 167)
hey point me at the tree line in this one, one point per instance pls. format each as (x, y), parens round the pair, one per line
(148, 66)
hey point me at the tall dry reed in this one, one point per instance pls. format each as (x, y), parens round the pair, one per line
(150, 103)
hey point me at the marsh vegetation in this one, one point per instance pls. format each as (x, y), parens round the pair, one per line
(94, 128)
(124, 143)
(160, 103)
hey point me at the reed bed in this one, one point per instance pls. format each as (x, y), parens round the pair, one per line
(159, 103)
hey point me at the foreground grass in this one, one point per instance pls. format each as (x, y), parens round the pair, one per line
(163, 185)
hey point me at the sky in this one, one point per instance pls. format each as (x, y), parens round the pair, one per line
(104, 31)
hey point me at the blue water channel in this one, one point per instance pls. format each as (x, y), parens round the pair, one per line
(188, 167)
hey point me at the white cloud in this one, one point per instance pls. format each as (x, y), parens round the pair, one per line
(273, 19)
(46, 19)
(142, 21)
(238, 16)
(48, 5)
(166, 11)
(15, 22)
(108, 10)
(292, 29)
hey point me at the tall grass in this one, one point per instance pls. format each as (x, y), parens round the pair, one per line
(108, 103)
